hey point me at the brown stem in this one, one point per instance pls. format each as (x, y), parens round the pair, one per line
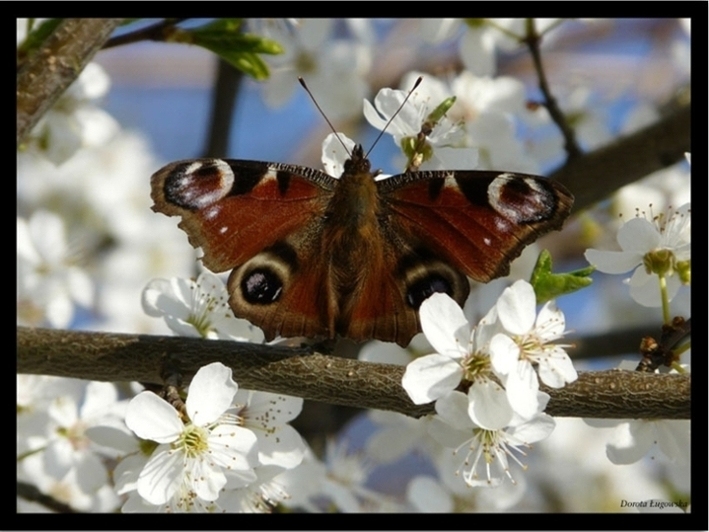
(47, 73)
(225, 96)
(30, 493)
(156, 32)
(304, 373)
(532, 40)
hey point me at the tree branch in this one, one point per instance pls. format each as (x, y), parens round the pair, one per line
(532, 40)
(304, 373)
(224, 97)
(31, 493)
(55, 65)
(157, 32)
(595, 175)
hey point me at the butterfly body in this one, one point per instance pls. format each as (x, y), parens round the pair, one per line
(313, 256)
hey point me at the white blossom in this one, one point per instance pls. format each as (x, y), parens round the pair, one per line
(461, 353)
(653, 248)
(334, 69)
(483, 454)
(197, 308)
(526, 345)
(196, 456)
(49, 280)
(444, 146)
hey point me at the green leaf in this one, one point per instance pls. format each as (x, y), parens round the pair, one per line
(548, 285)
(37, 35)
(250, 64)
(224, 38)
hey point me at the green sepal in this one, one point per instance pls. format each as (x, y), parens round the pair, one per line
(548, 285)
(440, 111)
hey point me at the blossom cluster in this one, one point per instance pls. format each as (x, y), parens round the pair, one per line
(499, 362)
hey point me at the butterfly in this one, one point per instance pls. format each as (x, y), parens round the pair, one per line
(315, 256)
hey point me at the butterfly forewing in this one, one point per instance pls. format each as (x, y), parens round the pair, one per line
(234, 209)
(478, 221)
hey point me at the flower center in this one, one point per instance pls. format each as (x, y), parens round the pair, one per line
(305, 63)
(75, 435)
(193, 441)
(203, 308)
(659, 261)
(476, 365)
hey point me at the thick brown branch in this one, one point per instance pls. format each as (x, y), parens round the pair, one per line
(51, 69)
(304, 373)
(594, 176)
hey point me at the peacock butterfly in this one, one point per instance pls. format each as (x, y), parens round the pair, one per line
(312, 255)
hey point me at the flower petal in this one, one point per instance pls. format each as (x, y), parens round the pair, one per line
(504, 354)
(233, 447)
(211, 392)
(536, 429)
(522, 386)
(630, 441)
(153, 418)
(488, 405)
(159, 300)
(207, 479)
(445, 325)
(556, 368)
(613, 261)
(430, 377)
(516, 308)
(453, 409)
(283, 447)
(639, 235)
(645, 288)
(161, 476)
(673, 437)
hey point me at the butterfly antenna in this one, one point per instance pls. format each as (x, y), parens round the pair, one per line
(302, 82)
(416, 84)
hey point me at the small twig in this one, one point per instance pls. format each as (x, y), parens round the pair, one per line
(30, 493)
(656, 354)
(532, 40)
(156, 32)
(171, 391)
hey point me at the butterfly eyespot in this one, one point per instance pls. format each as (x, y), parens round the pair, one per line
(261, 287)
(521, 199)
(198, 184)
(262, 280)
(424, 288)
(425, 275)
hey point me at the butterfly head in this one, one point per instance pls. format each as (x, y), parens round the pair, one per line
(357, 163)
